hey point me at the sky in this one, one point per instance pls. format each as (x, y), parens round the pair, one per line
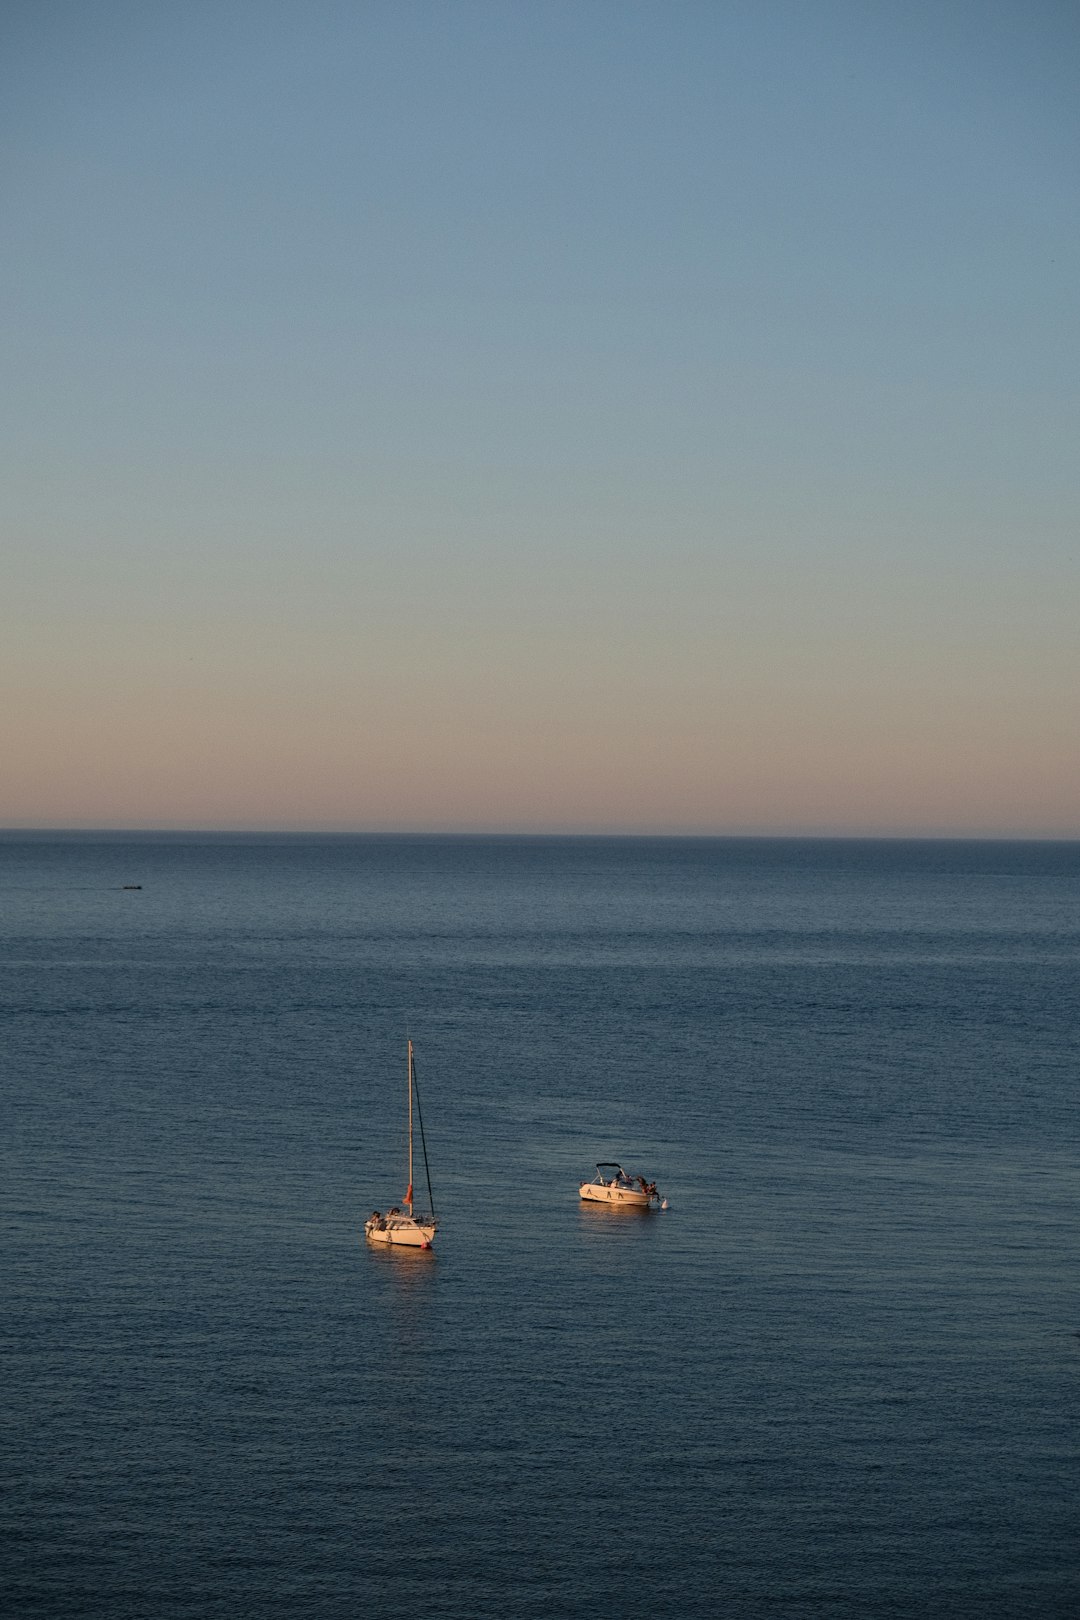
(526, 416)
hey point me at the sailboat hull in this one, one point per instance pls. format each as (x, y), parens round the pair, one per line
(402, 1229)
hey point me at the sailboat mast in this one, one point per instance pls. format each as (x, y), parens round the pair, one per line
(410, 1128)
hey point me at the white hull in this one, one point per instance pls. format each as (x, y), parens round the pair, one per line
(600, 1193)
(402, 1229)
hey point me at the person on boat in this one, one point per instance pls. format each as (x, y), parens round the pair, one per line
(651, 1189)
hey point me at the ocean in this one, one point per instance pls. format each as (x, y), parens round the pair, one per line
(838, 1377)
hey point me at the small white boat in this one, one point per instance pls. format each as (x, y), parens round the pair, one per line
(405, 1226)
(619, 1187)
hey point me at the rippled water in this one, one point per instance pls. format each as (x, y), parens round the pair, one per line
(839, 1377)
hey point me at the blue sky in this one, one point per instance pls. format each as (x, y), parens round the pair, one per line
(600, 417)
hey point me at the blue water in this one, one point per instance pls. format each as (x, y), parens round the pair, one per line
(839, 1377)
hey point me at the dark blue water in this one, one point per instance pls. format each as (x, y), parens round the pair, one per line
(840, 1377)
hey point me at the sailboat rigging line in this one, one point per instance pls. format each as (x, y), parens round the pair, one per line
(423, 1144)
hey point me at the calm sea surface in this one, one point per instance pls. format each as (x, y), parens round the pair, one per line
(839, 1377)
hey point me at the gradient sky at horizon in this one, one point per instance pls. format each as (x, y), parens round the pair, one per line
(539, 416)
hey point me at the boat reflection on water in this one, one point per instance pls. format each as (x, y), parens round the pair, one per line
(612, 1214)
(403, 1259)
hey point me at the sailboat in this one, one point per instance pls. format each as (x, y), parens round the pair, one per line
(416, 1231)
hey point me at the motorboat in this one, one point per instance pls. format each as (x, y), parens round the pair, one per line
(614, 1185)
(404, 1225)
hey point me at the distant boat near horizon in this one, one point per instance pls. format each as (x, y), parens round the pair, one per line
(621, 1188)
(404, 1226)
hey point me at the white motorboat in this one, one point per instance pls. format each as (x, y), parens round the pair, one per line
(406, 1226)
(614, 1185)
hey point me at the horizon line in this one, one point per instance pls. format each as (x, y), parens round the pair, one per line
(804, 836)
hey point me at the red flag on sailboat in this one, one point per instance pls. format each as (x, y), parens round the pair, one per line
(408, 1195)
